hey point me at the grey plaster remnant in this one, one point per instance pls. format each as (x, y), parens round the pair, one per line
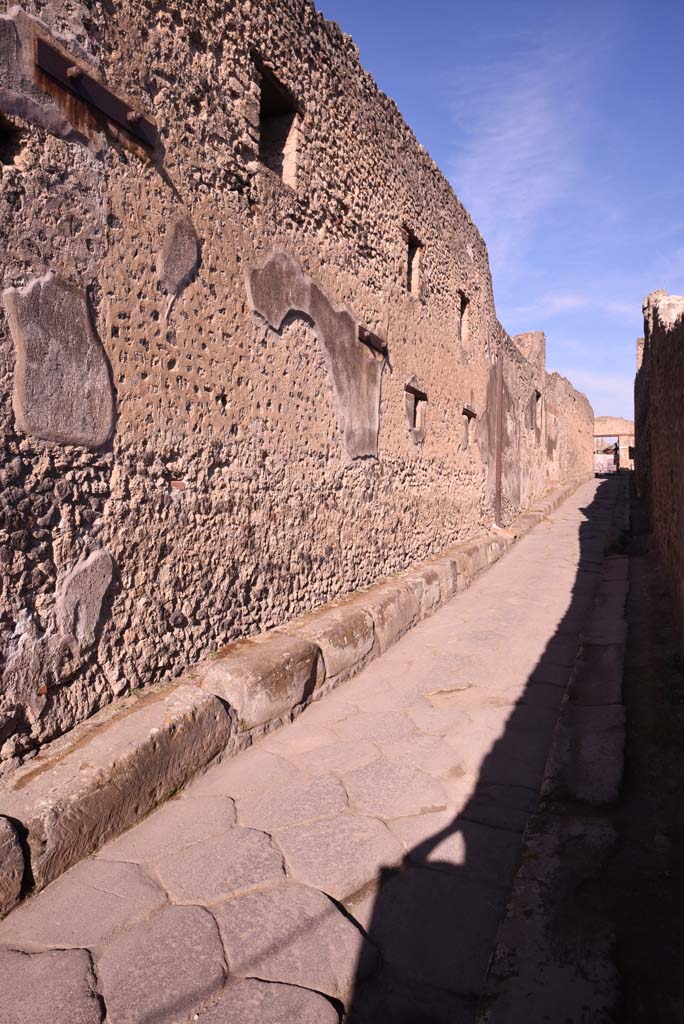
(62, 380)
(81, 595)
(179, 256)
(20, 95)
(11, 866)
(280, 288)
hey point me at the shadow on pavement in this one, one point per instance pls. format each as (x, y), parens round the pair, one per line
(435, 917)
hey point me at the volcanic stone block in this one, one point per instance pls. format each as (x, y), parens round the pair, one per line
(394, 607)
(80, 597)
(109, 774)
(179, 256)
(48, 988)
(163, 969)
(11, 866)
(84, 907)
(265, 677)
(280, 288)
(62, 380)
(345, 635)
(293, 934)
(261, 1002)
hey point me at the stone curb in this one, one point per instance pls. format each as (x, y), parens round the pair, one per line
(111, 771)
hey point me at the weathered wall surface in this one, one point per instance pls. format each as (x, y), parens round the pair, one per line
(659, 413)
(195, 443)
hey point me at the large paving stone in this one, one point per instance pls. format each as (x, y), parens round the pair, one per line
(265, 677)
(437, 927)
(110, 772)
(345, 634)
(343, 756)
(339, 855)
(587, 760)
(445, 843)
(375, 726)
(550, 962)
(261, 1002)
(57, 987)
(293, 934)
(252, 772)
(598, 675)
(394, 998)
(11, 866)
(428, 753)
(62, 378)
(213, 869)
(160, 971)
(174, 826)
(311, 798)
(83, 908)
(386, 789)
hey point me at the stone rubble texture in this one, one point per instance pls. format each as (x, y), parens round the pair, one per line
(384, 905)
(658, 420)
(240, 454)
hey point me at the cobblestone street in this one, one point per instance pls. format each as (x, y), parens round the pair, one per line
(357, 861)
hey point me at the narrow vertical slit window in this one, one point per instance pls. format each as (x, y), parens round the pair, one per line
(538, 413)
(468, 419)
(413, 263)
(278, 114)
(415, 408)
(464, 320)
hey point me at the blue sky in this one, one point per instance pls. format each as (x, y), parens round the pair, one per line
(559, 127)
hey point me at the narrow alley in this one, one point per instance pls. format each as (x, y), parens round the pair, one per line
(362, 859)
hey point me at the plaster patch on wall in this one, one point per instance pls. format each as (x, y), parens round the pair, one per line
(62, 381)
(280, 288)
(179, 256)
(79, 603)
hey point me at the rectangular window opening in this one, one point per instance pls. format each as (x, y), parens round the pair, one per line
(413, 263)
(278, 112)
(469, 415)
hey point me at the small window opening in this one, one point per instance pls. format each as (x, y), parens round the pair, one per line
(415, 407)
(464, 320)
(10, 141)
(537, 412)
(277, 127)
(469, 415)
(413, 263)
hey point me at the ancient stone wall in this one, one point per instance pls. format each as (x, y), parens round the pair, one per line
(659, 412)
(248, 345)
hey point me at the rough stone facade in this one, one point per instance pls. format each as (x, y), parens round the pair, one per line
(249, 355)
(659, 420)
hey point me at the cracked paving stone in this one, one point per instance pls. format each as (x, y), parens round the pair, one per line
(440, 721)
(429, 753)
(261, 1002)
(281, 806)
(160, 971)
(296, 935)
(339, 855)
(211, 870)
(84, 907)
(57, 987)
(386, 790)
(250, 772)
(178, 824)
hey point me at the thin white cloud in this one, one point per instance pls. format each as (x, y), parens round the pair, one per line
(519, 134)
(550, 304)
